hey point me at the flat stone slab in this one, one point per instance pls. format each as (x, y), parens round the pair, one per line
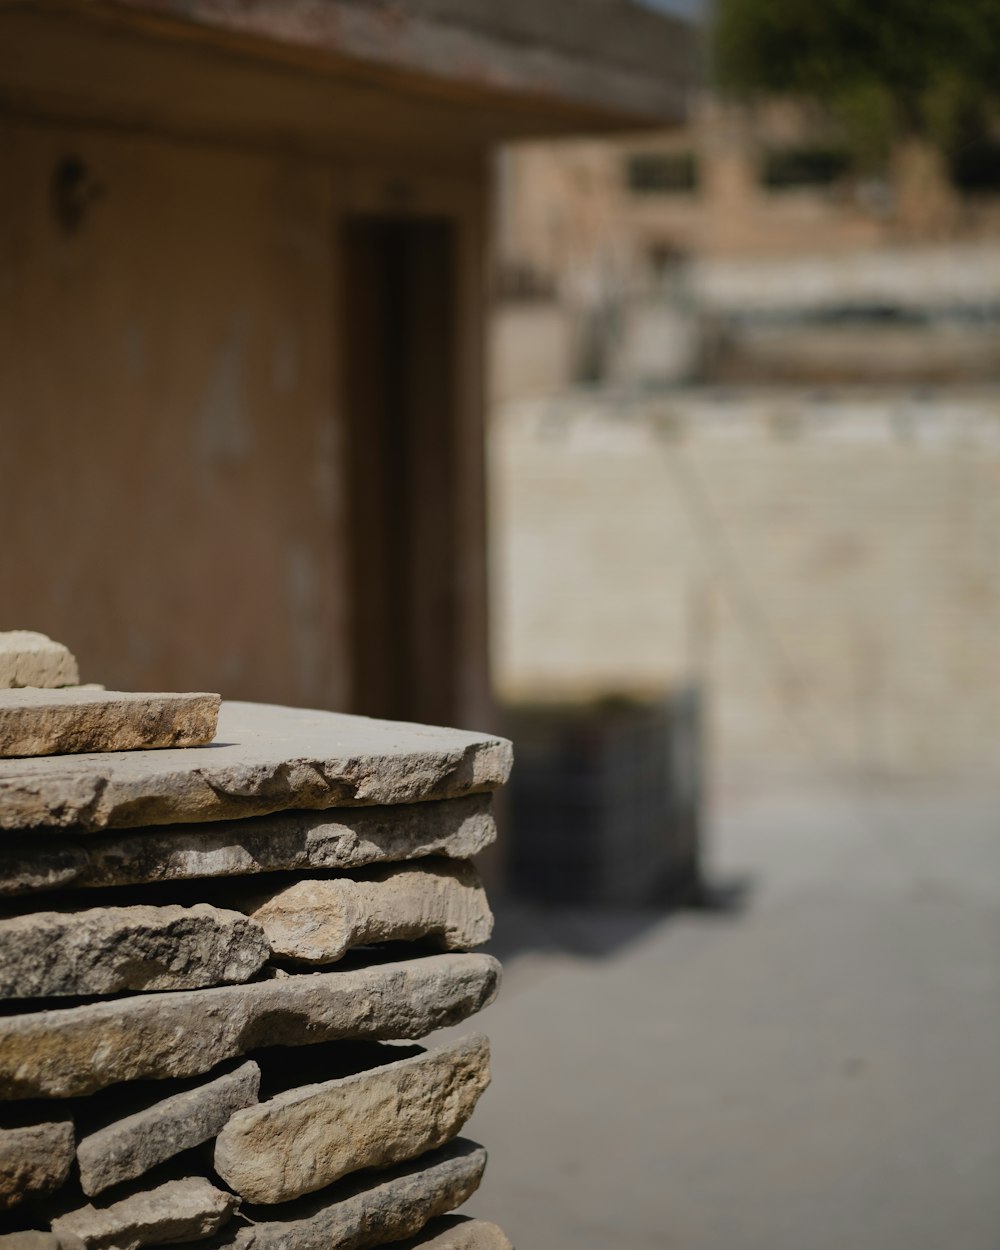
(64, 722)
(189, 1209)
(76, 1050)
(35, 1240)
(132, 1144)
(107, 950)
(345, 838)
(457, 1232)
(383, 1207)
(319, 921)
(31, 659)
(34, 1160)
(265, 759)
(307, 1138)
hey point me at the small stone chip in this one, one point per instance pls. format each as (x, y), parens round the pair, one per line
(67, 722)
(30, 659)
(307, 1138)
(176, 1211)
(319, 921)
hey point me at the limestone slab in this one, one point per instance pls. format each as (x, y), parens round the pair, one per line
(382, 1207)
(457, 1232)
(265, 759)
(318, 921)
(344, 838)
(78, 720)
(107, 950)
(34, 1240)
(129, 1146)
(34, 1160)
(73, 1051)
(189, 1209)
(307, 1138)
(31, 659)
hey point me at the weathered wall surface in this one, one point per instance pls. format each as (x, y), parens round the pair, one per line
(828, 566)
(170, 472)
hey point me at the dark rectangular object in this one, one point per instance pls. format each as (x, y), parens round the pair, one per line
(605, 800)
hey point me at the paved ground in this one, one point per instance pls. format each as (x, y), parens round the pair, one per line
(820, 1070)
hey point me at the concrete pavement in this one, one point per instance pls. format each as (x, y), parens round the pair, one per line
(820, 1069)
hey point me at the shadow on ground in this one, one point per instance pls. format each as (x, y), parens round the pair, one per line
(597, 932)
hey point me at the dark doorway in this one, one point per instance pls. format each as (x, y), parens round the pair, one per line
(400, 370)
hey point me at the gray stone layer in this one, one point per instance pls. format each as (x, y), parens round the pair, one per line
(383, 1208)
(457, 1232)
(127, 1147)
(319, 921)
(184, 1210)
(107, 950)
(34, 1160)
(74, 1051)
(342, 839)
(30, 659)
(266, 759)
(307, 1138)
(62, 722)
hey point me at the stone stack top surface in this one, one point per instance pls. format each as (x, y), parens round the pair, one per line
(264, 759)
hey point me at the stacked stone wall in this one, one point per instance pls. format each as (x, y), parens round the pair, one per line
(214, 964)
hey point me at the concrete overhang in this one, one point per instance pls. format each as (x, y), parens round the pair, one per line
(439, 76)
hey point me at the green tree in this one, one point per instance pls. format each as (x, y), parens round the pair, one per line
(890, 72)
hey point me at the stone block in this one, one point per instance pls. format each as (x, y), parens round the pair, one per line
(34, 1240)
(30, 659)
(318, 921)
(381, 1207)
(457, 1232)
(266, 759)
(189, 1209)
(107, 950)
(74, 1051)
(34, 1159)
(341, 839)
(307, 1138)
(64, 722)
(130, 1144)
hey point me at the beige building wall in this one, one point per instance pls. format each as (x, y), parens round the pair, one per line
(173, 473)
(828, 569)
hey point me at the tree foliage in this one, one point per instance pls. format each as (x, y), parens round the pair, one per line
(887, 69)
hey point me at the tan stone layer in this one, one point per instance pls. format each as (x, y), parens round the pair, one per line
(107, 950)
(266, 759)
(133, 1143)
(76, 1050)
(457, 1232)
(319, 921)
(172, 1212)
(345, 838)
(307, 1138)
(63, 722)
(380, 1208)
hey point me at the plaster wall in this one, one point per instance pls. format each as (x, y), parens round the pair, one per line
(171, 480)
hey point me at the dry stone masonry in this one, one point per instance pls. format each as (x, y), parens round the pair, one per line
(214, 963)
